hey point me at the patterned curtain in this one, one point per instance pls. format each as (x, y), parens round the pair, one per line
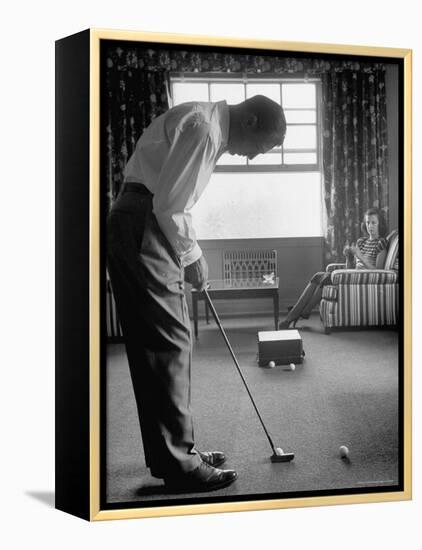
(354, 153)
(134, 97)
(354, 120)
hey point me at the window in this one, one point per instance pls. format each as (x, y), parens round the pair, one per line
(300, 151)
(277, 194)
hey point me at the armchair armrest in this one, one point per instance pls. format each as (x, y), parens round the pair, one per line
(332, 267)
(363, 276)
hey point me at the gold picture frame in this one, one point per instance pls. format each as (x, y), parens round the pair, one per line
(80, 311)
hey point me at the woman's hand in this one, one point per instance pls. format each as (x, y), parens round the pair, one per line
(355, 250)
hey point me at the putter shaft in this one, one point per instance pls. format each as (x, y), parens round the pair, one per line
(217, 320)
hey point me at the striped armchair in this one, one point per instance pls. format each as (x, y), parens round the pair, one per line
(363, 297)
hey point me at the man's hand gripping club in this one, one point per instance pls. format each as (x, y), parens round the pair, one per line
(197, 274)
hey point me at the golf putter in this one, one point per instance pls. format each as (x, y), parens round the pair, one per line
(278, 454)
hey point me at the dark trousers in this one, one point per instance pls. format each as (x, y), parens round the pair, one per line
(147, 281)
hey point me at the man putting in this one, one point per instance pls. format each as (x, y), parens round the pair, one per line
(152, 250)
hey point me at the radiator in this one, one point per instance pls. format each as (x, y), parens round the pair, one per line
(249, 266)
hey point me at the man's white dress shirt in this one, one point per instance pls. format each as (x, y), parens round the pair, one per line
(174, 159)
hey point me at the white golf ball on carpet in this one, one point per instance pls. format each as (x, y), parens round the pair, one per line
(344, 451)
(292, 366)
(271, 364)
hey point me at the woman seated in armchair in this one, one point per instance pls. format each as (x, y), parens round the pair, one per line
(369, 252)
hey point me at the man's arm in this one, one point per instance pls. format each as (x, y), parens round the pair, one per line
(184, 174)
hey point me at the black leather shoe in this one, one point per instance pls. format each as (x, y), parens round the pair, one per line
(213, 458)
(203, 478)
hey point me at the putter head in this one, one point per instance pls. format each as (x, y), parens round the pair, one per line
(280, 456)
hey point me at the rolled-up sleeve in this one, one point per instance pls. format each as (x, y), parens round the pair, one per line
(185, 172)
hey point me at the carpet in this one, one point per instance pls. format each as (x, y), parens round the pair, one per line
(345, 393)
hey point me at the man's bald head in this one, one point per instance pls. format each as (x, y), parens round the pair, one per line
(256, 126)
(270, 115)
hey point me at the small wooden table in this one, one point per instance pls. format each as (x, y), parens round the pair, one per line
(247, 288)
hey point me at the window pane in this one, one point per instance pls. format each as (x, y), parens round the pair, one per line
(267, 159)
(190, 91)
(299, 102)
(250, 206)
(299, 95)
(300, 158)
(300, 137)
(269, 90)
(300, 116)
(232, 92)
(231, 159)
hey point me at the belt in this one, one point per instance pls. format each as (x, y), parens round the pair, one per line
(133, 187)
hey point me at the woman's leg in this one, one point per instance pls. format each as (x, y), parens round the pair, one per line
(305, 299)
(316, 298)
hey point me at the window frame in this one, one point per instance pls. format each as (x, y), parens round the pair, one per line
(211, 78)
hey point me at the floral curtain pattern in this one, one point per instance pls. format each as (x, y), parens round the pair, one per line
(134, 97)
(354, 120)
(354, 153)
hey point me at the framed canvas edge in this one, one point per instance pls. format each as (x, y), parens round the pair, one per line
(96, 514)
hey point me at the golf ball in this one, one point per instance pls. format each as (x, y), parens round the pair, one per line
(344, 451)
(292, 366)
(271, 364)
(280, 450)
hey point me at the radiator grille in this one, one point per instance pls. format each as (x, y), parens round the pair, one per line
(249, 265)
